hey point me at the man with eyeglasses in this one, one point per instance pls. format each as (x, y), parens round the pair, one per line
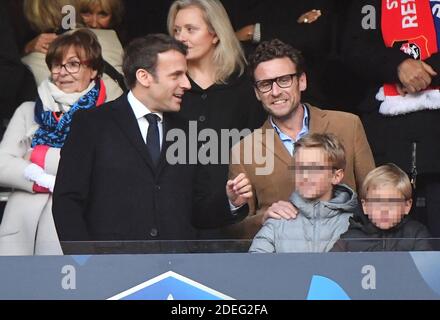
(278, 71)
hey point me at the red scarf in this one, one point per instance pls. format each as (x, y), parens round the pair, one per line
(410, 26)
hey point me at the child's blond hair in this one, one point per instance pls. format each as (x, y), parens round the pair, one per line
(388, 174)
(329, 143)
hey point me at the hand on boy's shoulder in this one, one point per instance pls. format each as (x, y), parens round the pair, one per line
(280, 210)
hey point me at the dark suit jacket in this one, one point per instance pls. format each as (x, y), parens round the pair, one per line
(107, 187)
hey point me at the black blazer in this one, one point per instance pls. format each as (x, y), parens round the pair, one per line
(107, 187)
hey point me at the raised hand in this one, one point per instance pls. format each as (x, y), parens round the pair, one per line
(246, 33)
(41, 43)
(239, 190)
(310, 16)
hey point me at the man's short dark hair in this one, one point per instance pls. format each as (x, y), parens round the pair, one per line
(274, 49)
(142, 53)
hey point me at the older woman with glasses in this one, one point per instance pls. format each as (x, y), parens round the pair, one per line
(46, 18)
(30, 149)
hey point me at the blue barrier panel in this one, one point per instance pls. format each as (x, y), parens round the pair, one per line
(338, 276)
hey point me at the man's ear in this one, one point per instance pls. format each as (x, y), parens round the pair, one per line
(302, 80)
(338, 175)
(144, 77)
(257, 94)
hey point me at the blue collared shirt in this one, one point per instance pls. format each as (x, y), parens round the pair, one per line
(287, 141)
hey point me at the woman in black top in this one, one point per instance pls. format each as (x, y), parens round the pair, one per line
(221, 97)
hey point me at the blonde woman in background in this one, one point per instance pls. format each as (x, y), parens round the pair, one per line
(46, 17)
(221, 96)
(103, 14)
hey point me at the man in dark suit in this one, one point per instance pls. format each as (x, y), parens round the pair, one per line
(114, 180)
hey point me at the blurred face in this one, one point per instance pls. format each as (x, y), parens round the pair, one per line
(73, 74)
(167, 88)
(191, 29)
(280, 102)
(314, 175)
(385, 206)
(96, 17)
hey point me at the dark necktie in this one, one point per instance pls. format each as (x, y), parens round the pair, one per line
(153, 140)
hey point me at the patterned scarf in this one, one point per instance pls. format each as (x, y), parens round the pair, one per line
(54, 126)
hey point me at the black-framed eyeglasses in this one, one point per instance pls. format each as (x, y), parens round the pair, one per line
(266, 85)
(71, 67)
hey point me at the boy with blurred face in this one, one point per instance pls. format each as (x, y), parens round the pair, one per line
(386, 206)
(323, 203)
(386, 197)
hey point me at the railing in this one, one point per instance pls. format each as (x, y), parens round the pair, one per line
(216, 276)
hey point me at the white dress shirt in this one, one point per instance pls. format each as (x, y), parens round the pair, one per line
(140, 111)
